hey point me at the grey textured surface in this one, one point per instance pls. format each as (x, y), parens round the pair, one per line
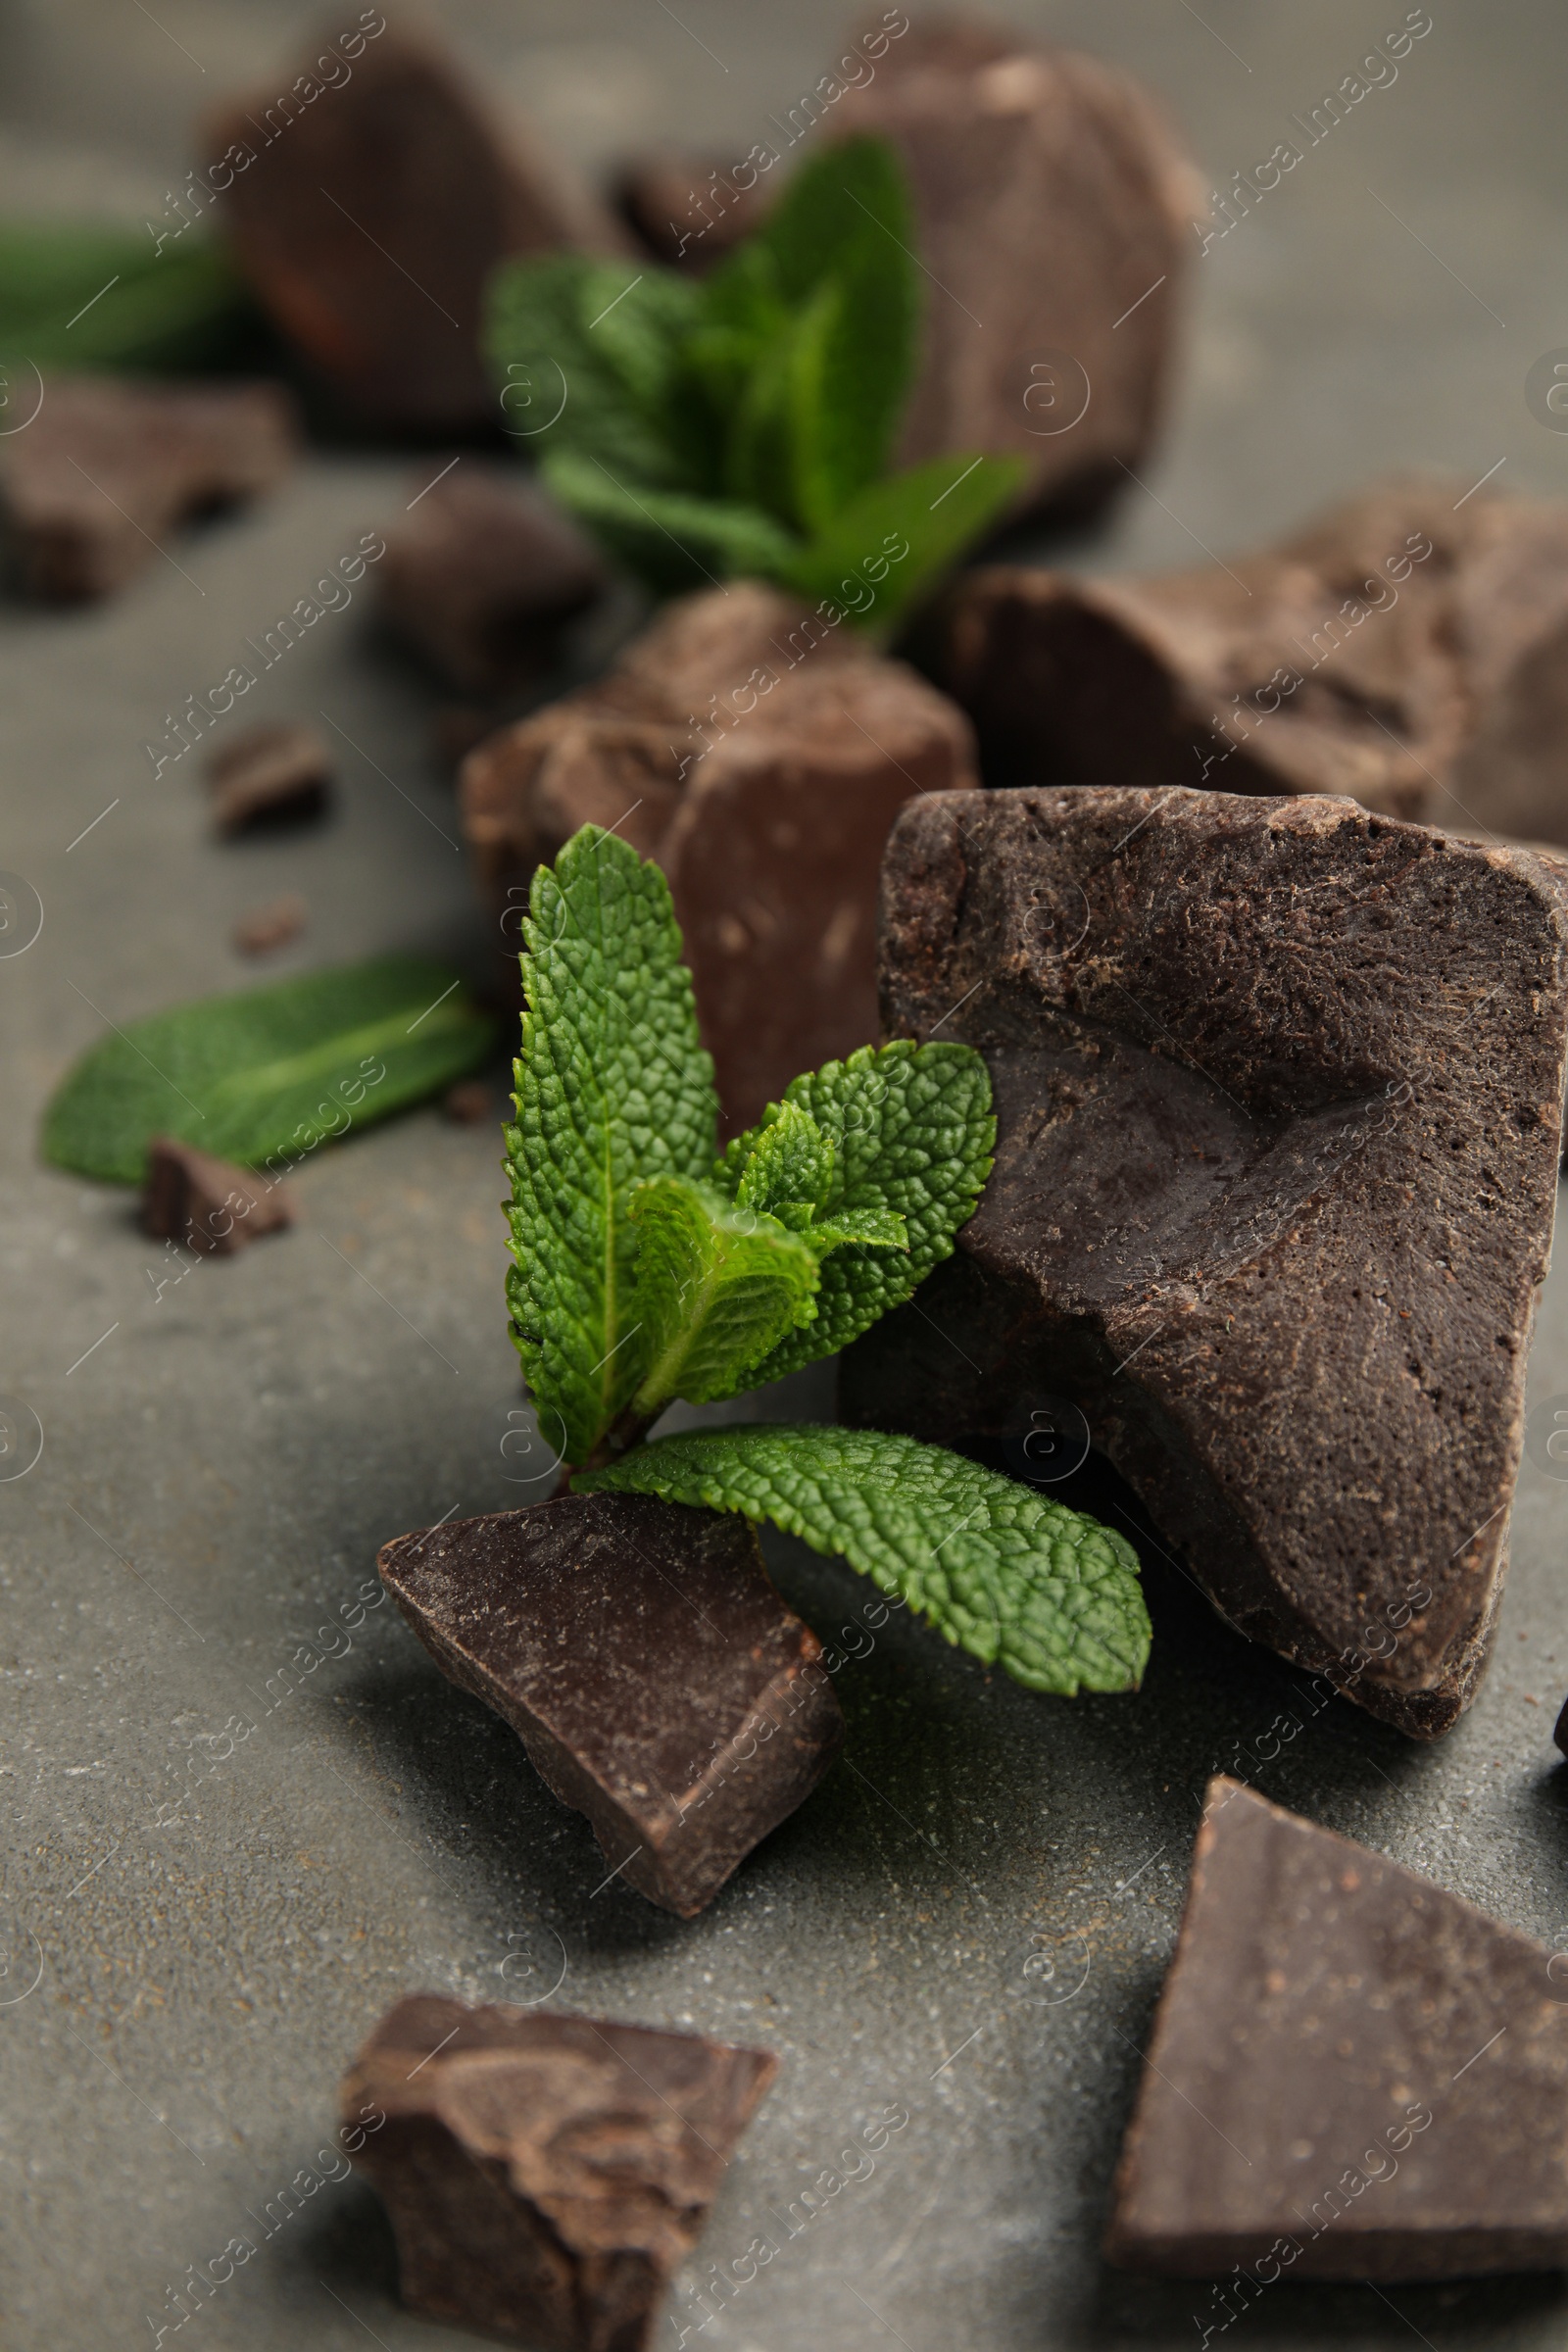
(969, 1919)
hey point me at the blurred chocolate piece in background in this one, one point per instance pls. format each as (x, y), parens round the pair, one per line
(205, 1203)
(368, 215)
(761, 757)
(1403, 649)
(109, 467)
(481, 574)
(277, 774)
(265, 929)
(1054, 208)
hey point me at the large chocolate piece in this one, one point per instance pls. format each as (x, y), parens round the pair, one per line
(546, 2174)
(761, 757)
(1410, 648)
(204, 1204)
(1054, 209)
(368, 207)
(1352, 2075)
(480, 571)
(1279, 1087)
(109, 468)
(642, 1655)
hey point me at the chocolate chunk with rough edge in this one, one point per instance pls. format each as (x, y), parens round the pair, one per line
(642, 1655)
(1279, 1087)
(273, 925)
(1352, 2075)
(274, 774)
(204, 1203)
(688, 213)
(109, 468)
(546, 2174)
(761, 757)
(481, 572)
(1400, 649)
(1053, 211)
(368, 207)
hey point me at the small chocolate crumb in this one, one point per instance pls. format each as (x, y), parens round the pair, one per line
(205, 1203)
(272, 926)
(272, 775)
(468, 1103)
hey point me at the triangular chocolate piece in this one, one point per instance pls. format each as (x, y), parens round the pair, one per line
(546, 2174)
(644, 1658)
(1352, 2075)
(1279, 1087)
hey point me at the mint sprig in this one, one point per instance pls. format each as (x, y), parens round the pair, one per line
(648, 1267)
(744, 423)
(1016, 1580)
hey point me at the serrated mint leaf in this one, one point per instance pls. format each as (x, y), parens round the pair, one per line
(612, 1087)
(672, 540)
(870, 1228)
(716, 1286)
(269, 1072)
(586, 357)
(913, 1134)
(1016, 1580)
(850, 368)
(842, 198)
(885, 549)
(790, 1165)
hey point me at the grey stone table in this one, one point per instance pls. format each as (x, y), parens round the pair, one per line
(223, 1860)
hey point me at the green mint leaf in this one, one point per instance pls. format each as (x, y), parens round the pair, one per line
(850, 368)
(586, 356)
(842, 198)
(790, 1165)
(716, 1286)
(1016, 1580)
(269, 1073)
(870, 1228)
(886, 548)
(188, 307)
(670, 539)
(912, 1133)
(612, 1087)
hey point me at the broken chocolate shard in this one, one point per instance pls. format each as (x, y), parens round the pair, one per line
(1352, 2075)
(271, 775)
(1403, 649)
(546, 2174)
(1055, 204)
(482, 574)
(470, 1102)
(368, 214)
(267, 928)
(642, 1655)
(1279, 1094)
(109, 468)
(204, 1204)
(760, 756)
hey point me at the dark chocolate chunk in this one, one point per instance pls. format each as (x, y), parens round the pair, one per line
(368, 214)
(1279, 1087)
(271, 775)
(546, 2174)
(273, 926)
(688, 213)
(481, 572)
(761, 757)
(1054, 208)
(1401, 649)
(1352, 2075)
(204, 1203)
(642, 1655)
(109, 467)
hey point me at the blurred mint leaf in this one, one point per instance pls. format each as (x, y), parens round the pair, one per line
(587, 358)
(887, 547)
(612, 1088)
(673, 540)
(911, 1132)
(716, 1286)
(1016, 1580)
(844, 198)
(272, 1071)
